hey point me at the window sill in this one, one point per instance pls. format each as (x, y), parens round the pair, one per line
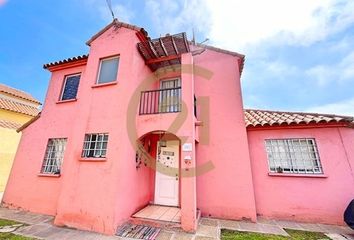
(297, 175)
(93, 159)
(104, 84)
(66, 101)
(48, 175)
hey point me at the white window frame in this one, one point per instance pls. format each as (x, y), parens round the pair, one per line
(100, 65)
(176, 107)
(49, 164)
(296, 161)
(63, 88)
(87, 150)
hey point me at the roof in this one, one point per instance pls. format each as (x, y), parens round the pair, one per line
(9, 124)
(18, 93)
(268, 118)
(29, 122)
(117, 24)
(18, 107)
(81, 58)
(150, 49)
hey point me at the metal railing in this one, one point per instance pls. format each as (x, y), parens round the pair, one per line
(160, 101)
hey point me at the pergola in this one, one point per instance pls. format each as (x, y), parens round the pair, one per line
(164, 51)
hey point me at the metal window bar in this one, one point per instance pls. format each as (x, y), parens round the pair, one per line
(95, 145)
(298, 156)
(54, 155)
(166, 100)
(195, 106)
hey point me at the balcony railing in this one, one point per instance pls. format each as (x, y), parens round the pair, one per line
(160, 101)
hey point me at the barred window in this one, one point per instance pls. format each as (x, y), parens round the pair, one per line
(298, 156)
(54, 155)
(71, 85)
(95, 145)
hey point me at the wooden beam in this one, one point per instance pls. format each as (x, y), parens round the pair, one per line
(174, 44)
(163, 47)
(162, 59)
(185, 41)
(152, 48)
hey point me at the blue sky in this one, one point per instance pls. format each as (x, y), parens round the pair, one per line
(299, 54)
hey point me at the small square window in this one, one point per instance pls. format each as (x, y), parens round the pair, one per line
(299, 156)
(95, 145)
(71, 85)
(54, 155)
(108, 70)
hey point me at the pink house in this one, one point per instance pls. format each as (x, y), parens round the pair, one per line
(142, 122)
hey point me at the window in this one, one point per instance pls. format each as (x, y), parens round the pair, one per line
(293, 156)
(170, 95)
(54, 156)
(71, 85)
(108, 70)
(95, 145)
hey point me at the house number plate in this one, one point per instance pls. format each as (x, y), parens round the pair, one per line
(187, 147)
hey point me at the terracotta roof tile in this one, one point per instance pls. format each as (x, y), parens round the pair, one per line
(67, 60)
(266, 118)
(9, 124)
(18, 107)
(17, 93)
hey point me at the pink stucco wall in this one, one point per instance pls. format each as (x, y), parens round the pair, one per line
(25, 188)
(226, 191)
(311, 199)
(99, 195)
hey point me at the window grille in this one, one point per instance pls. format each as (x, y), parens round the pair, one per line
(95, 145)
(298, 156)
(54, 155)
(71, 86)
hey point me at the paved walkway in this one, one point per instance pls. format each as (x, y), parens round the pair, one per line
(41, 227)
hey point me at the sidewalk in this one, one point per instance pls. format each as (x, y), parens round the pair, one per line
(41, 227)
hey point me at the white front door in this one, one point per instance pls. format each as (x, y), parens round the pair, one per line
(167, 174)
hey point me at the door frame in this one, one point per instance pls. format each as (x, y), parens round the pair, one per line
(179, 174)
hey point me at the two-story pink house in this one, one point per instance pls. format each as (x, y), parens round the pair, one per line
(140, 123)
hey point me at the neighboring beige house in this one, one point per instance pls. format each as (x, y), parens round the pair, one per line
(16, 108)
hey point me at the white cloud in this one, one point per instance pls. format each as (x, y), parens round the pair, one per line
(345, 107)
(339, 73)
(239, 24)
(178, 16)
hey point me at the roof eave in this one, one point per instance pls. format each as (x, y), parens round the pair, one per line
(119, 24)
(297, 126)
(232, 53)
(25, 125)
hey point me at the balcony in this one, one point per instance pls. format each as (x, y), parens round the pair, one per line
(166, 100)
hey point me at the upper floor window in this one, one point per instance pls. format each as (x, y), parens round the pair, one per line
(298, 156)
(108, 70)
(95, 145)
(54, 155)
(71, 85)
